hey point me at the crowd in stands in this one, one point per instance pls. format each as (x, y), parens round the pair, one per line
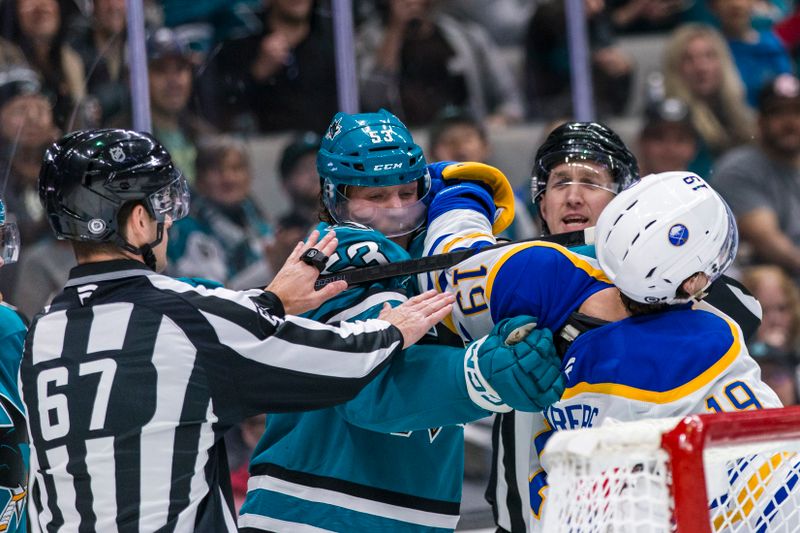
(725, 103)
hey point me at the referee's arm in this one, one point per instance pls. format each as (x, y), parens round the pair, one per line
(257, 360)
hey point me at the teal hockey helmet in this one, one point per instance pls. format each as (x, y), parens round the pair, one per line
(372, 150)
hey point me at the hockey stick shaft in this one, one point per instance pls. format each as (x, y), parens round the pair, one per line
(431, 263)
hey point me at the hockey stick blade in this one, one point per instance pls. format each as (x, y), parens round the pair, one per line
(357, 276)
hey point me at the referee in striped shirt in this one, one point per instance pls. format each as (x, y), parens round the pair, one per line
(131, 378)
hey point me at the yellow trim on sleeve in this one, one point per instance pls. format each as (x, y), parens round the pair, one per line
(633, 393)
(449, 246)
(575, 259)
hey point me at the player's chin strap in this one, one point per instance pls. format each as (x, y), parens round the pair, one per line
(145, 250)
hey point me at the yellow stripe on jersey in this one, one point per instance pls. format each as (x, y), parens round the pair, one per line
(575, 259)
(662, 397)
(477, 235)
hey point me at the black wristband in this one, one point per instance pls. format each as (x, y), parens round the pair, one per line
(273, 303)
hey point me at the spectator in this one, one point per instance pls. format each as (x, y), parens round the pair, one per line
(36, 26)
(100, 42)
(225, 232)
(299, 177)
(761, 181)
(46, 265)
(170, 72)
(10, 54)
(289, 229)
(282, 78)
(457, 136)
(26, 128)
(667, 140)
(547, 68)
(780, 305)
(699, 70)
(417, 60)
(780, 375)
(759, 55)
(505, 21)
(244, 439)
(644, 16)
(788, 31)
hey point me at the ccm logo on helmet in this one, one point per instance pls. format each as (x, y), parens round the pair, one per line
(388, 166)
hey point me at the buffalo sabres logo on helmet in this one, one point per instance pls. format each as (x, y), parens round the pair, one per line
(678, 235)
(117, 153)
(334, 129)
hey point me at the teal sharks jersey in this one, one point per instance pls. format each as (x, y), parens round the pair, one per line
(390, 460)
(14, 454)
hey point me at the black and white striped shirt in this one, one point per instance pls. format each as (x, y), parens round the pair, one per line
(131, 378)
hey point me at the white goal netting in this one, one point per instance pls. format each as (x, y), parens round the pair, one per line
(622, 478)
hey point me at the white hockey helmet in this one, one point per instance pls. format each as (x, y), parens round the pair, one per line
(660, 231)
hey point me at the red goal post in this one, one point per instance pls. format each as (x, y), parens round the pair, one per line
(665, 475)
(686, 442)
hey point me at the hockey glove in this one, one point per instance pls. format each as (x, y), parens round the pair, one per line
(515, 366)
(447, 173)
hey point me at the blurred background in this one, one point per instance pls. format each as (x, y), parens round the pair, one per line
(240, 92)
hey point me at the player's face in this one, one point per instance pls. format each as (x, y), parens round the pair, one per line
(386, 209)
(367, 198)
(575, 196)
(160, 250)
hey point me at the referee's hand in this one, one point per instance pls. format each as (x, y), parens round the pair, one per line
(294, 282)
(419, 314)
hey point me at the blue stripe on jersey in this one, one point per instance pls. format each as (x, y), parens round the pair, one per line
(325, 516)
(542, 280)
(676, 352)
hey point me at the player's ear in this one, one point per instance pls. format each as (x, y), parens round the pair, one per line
(694, 283)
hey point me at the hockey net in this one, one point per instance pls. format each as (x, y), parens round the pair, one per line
(728, 472)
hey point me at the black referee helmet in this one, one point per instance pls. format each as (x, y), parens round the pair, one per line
(87, 176)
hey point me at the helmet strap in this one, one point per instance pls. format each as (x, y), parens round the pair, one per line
(145, 250)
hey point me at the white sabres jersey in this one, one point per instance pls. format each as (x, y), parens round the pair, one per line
(678, 362)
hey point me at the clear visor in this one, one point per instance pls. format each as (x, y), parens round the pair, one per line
(171, 201)
(393, 221)
(727, 252)
(590, 171)
(9, 243)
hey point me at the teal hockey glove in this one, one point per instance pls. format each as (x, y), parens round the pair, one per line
(514, 367)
